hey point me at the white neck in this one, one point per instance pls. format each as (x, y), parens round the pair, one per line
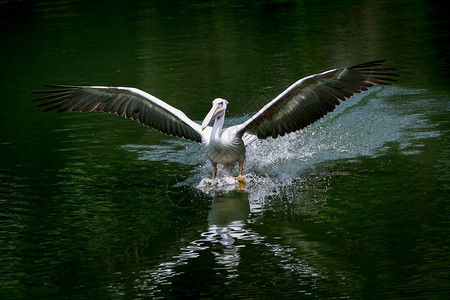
(217, 127)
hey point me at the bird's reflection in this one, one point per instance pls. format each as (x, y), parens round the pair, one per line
(226, 223)
(229, 209)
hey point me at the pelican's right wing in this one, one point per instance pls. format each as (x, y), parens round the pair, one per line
(312, 97)
(131, 103)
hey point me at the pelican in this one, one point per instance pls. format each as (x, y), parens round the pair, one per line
(301, 104)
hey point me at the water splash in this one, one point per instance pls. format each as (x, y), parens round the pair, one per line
(364, 125)
(176, 151)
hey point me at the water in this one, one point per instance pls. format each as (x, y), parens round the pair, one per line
(96, 206)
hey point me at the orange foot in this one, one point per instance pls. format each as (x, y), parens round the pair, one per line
(240, 178)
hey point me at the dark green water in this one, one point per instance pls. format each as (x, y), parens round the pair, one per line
(95, 206)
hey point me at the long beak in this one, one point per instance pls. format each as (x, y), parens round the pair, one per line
(215, 110)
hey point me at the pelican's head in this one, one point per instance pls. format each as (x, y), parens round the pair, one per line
(217, 111)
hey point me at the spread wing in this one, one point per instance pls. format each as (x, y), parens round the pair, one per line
(131, 103)
(312, 97)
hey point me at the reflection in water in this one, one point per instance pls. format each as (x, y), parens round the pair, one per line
(227, 221)
(230, 235)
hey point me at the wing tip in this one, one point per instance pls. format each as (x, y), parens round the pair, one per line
(379, 75)
(372, 63)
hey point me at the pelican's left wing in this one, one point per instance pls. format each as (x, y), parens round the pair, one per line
(131, 103)
(312, 97)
